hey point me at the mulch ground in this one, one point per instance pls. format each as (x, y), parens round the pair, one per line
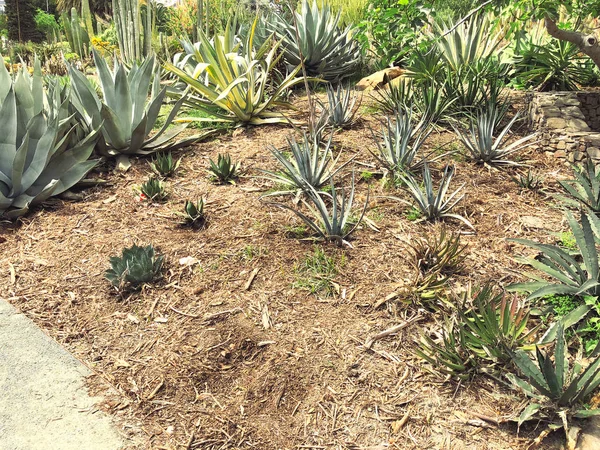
(226, 350)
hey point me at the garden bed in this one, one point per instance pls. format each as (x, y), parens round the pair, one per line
(230, 349)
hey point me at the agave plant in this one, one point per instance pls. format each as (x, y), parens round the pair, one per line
(433, 105)
(193, 214)
(572, 275)
(441, 253)
(395, 94)
(154, 190)
(164, 164)
(314, 38)
(309, 166)
(38, 157)
(125, 115)
(528, 180)
(481, 145)
(137, 265)
(232, 82)
(224, 171)
(585, 188)
(399, 142)
(332, 224)
(340, 107)
(432, 205)
(556, 388)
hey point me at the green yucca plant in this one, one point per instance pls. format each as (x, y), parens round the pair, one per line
(433, 105)
(572, 275)
(309, 165)
(554, 387)
(432, 205)
(154, 190)
(341, 106)
(314, 38)
(164, 165)
(41, 154)
(125, 114)
(585, 188)
(193, 214)
(332, 224)
(481, 145)
(395, 94)
(399, 142)
(136, 266)
(224, 171)
(232, 82)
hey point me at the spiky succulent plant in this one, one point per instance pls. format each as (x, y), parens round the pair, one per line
(125, 114)
(136, 265)
(38, 157)
(328, 52)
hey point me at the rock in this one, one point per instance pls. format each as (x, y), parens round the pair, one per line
(533, 222)
(594, 152)
(556, 123)
(377, 79)
(572, 101)
(561, 145)
(560, 154)
(589, 439)
(577, 125)
(551, 111)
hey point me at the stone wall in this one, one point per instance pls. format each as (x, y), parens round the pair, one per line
(567, 123)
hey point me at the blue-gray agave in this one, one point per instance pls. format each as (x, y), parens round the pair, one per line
(125, 114)
(328, 51)
(38, 157)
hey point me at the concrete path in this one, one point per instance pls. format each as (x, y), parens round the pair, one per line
(43, 400)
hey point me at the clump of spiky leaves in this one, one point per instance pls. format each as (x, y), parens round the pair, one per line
(39, 154)
(164, 165)
(528, 180)
(555, 388)
(480, 143)
(232, 81)
(224, 171)
(309, 165)
(399, 142)
(441, 253)
(571, 274)
(314, 37)
(137, 265)
(487, 328)
(126, 115)
(154, 190)
(434, 205)
(193, 213)
(331, 224)
(585, 188)
(395, 94)
(341, 106)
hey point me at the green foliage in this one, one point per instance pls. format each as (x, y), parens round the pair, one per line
(528, 180)
(396, 94)
(332, 224)
(224, 171)
(309, 165)
(46, 23)
(317, 272)
(125, 113)
(567, 240)
(20, 21)
(441, 253)
(193, 214)
(585, 188)
(399, 142)
(433, 206)
(40, 155)
(391, 30)
(231, 81)
(136, 266)
(572, 275)
(341, 106)
(154, 190)
(327, 51)
(561, 304)
(164, 164)
(480, 143)
(554, 386)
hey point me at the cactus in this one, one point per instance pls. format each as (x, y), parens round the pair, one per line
(86, 15)
(135, 37)
(77, 35)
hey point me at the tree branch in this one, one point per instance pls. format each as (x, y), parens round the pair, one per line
(587, 43)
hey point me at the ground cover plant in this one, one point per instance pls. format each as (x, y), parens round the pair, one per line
(216, 310)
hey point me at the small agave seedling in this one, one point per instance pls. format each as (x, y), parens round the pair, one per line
(193, 214)
(136, 266)
(224, 171)
(154, 190)
(164, 164)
